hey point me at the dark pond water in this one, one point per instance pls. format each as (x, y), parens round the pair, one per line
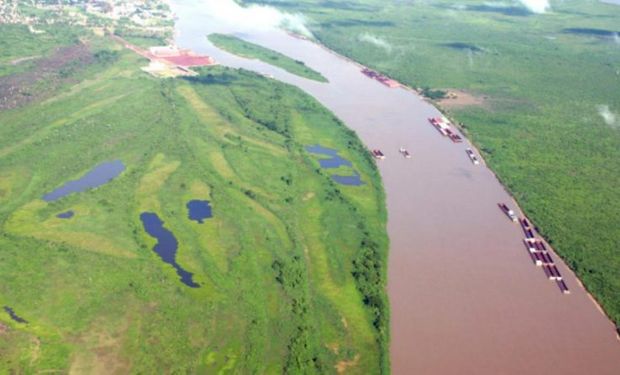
(199, 210)
(14, 316)
(167, 245)
(354, 180)
(334, 160)
(98, 176)
(66, 215)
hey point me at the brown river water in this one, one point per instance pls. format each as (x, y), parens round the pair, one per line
(465, 295)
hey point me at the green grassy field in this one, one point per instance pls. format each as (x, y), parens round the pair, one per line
(243, 48)
(546, 78)
(291, 266)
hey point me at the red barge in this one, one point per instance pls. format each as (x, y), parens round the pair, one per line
(445, 127)
(380, 78)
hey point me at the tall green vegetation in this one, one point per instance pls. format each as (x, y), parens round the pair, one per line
(250, 50)
(548, 79)
(291, 267)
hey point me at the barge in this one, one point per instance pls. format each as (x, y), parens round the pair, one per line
(552, 272)
(510, 213)
(445, 127)
(563, 287)
(380, 78)
(441, 124)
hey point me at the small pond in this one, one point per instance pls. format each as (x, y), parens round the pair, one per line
(354, 180)
(98, 176)
(14, 316)
(334, 160)
(167, 245)
(66, 215)
(198, 210)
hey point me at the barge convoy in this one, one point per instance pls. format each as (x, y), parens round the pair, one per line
(445, 127)
(380, 78)
(541, 256)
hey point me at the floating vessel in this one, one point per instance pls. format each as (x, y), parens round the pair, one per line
(405, 153)
(530, 246)
(378, 154)
(527, 229)
(552, 273)
(445, 127)
(563, 288)
(441, 124)
(453, 136)
(510, 213)
(380, 78)
(472, 156)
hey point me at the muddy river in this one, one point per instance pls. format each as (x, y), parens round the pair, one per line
(465, 296)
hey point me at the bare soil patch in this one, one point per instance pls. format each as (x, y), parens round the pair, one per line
(456, 99)
(48, 74)
(343, 366)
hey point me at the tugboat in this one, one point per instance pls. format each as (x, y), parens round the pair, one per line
(510, 213)
(378, 154)
(405, 153)
(472, 156)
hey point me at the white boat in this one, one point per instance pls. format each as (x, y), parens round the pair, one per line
(405, 153)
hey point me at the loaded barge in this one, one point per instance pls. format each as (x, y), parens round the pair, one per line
(510, 213)
(445, 127)
(380, 78)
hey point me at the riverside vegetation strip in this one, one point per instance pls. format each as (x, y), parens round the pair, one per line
(546, 78)
(290, 268)
(243, 48)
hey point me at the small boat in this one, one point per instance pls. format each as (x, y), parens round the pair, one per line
(378, 154)
(510, 213)
(405, 153)
(472, 156)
